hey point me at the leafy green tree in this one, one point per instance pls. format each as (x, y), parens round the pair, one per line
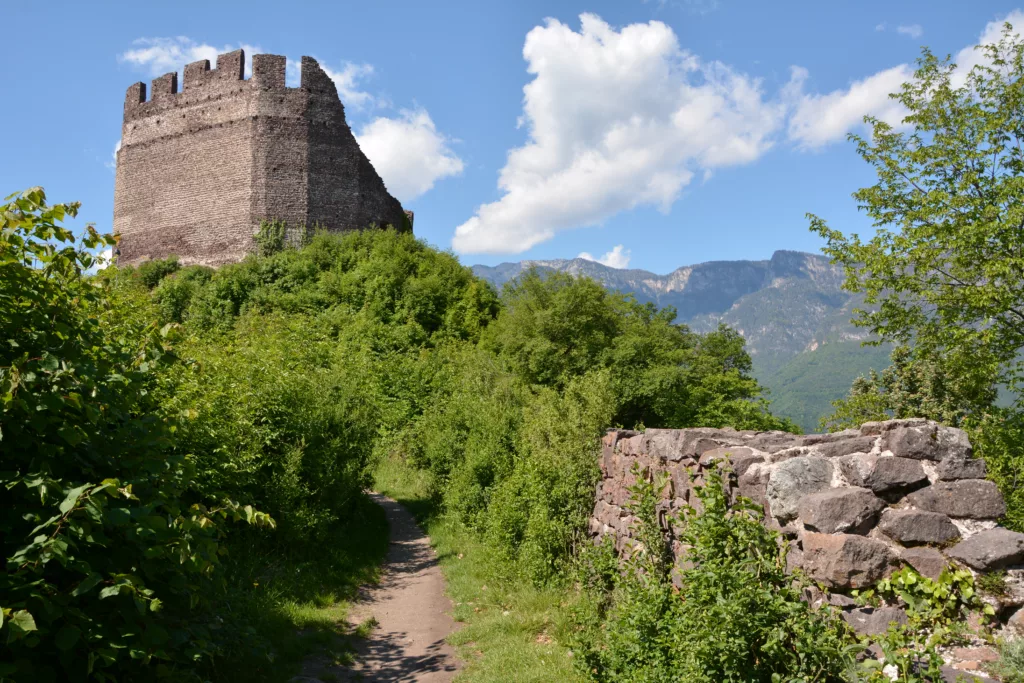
(109, 558)
(557, 327)
(944, 273)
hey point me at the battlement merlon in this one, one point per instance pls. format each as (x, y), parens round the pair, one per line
(164, 87)
(268, 71)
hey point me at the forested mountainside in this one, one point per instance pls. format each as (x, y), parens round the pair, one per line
(788, 308)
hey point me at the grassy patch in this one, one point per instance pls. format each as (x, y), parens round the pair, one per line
(284, 607)
(510, 630)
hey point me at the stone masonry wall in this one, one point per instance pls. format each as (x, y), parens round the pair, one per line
(856, 505)
(197, 170)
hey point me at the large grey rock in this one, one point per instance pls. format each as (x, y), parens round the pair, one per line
(845, 510)
(856, 444)
(917, 441)
(793, 479)
(870, 621)
(915, 527)
(927, 561)
(924, 440)
(970, 498)
(992, 549)
(961, 468)
(846, 560)
(882, 474)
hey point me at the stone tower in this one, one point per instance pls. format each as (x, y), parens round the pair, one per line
(198, 170)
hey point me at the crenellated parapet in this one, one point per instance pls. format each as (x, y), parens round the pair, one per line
(200, 165)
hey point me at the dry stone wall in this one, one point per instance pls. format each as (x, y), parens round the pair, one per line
(856, 505)
(198, 169)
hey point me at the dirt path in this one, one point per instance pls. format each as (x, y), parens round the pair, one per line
(412, 612)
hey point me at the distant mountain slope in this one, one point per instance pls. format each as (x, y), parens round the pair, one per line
(790, 308)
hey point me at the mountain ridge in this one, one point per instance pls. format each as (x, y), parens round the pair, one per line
(785, 307)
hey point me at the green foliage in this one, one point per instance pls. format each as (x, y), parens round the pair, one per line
(271, 237)
(1010, 666)
(947, 278)
(911, 652)
(174, 293)
(942, 275)
(933, 602)
(150, 273)
(285, 417)
(736, 616)
(109, 555)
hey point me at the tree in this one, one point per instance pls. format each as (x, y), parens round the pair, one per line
(944, 275)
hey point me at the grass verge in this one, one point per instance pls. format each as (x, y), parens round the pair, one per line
(511, 631)
(281, 606)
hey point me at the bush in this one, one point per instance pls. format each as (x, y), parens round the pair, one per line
(150, 273)
(736, 616)
(110, 557)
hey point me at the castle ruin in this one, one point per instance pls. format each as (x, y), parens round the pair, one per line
(198, 170)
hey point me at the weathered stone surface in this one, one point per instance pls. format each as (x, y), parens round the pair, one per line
(793, 479)
(970, 498)
(927, 561)
(918, 441)
(961, 468)
(952, 675)
(739, 458)
(834, 449)
(992, 549)
(1015, 624)
(915, 527)
(845, 510)
(871, 621)
(882, 474)
(753, 483)
(846, 560)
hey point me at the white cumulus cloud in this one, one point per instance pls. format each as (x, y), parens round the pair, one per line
(818, 120)
(408, 152)
(617, 118)
(618, 257)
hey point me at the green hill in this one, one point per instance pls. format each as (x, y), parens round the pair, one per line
(803, 388)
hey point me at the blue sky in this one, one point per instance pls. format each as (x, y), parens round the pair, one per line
(656, 134)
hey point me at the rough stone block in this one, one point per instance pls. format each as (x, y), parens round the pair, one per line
(845, 510)
(953, 468)
(882, 474)
(846, 561)
(916, 527)
(793, 479)
(969, 498)
(834, 449)
(918, 442)
(988, 550)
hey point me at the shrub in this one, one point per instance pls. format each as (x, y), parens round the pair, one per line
(736, 616)
(150, 273)
(109, 556)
